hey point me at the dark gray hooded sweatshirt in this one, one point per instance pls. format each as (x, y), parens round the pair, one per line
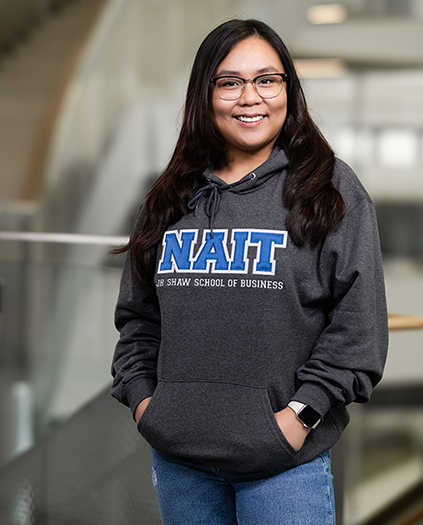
(244, 322)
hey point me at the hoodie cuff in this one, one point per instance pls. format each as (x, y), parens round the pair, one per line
(313, 395)
(137, 390)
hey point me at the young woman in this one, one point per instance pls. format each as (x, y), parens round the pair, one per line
(252, 306)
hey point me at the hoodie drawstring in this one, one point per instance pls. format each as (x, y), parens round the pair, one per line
(212, 204)
(213, 201)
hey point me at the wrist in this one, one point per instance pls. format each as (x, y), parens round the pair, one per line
(139, 411)
(292, 428)
(308, 417)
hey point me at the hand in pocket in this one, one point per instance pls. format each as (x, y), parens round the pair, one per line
(141, 408)
(292, 428)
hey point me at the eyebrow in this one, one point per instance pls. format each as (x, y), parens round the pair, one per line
(261, 71)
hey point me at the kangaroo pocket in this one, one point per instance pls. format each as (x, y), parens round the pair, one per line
(229, 426)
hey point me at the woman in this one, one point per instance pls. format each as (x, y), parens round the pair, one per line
(252, 307)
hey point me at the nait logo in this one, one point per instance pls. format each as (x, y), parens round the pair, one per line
(213, 256)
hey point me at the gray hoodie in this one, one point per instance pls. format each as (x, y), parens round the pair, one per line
(244, 322)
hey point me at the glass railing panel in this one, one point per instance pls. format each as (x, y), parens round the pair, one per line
(56, 332)
(93, 469)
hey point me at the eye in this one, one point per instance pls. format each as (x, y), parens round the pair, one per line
(267, 81)
(229, 83)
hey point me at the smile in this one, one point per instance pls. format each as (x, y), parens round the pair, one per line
(250, 119)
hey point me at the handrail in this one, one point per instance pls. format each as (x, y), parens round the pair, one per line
(404, 322)
(395, 321)
(62, 238)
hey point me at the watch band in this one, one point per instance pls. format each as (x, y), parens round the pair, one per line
(307, 415)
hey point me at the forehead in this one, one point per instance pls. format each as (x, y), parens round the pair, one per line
(250, 56)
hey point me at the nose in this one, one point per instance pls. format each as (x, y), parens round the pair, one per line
(250, 95)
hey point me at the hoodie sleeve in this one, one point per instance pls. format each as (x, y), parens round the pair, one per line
(349, 357)
(137, 318)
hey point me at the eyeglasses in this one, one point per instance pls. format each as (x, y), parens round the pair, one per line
(267, 86)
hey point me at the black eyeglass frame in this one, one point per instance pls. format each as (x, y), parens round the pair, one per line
(284, 77)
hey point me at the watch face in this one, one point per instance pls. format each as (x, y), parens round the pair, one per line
(309, 416)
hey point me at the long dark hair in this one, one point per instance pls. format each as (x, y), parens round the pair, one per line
(315, 206)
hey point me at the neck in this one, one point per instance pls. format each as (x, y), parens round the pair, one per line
(238, 165)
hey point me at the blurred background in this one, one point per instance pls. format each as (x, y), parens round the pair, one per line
(85, 127)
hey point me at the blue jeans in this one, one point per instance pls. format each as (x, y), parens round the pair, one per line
(192, 492)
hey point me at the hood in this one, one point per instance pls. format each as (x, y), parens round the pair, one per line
(215, 186)
(260, 175)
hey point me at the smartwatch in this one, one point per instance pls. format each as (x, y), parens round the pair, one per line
(307, 415)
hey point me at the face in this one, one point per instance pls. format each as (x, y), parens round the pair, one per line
(250, 124)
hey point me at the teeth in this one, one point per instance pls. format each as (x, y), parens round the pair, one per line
(250, 119)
